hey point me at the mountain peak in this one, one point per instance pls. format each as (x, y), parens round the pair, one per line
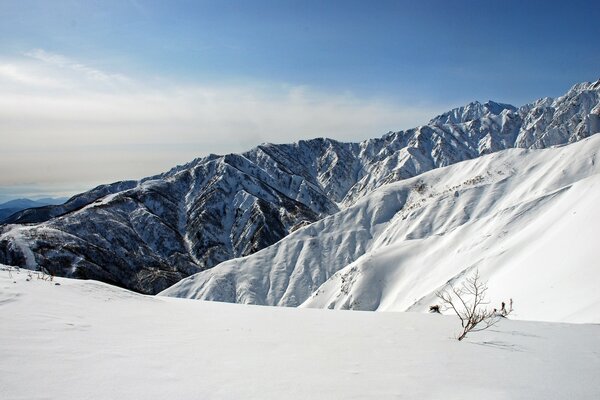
(471, 111)
(584, 86)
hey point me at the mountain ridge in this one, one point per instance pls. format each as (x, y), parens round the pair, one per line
(518, 216)
(8, 208)
(146, 235)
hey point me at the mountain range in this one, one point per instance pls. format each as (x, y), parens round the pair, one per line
(211, 218)
(10, 207)
(523, 218)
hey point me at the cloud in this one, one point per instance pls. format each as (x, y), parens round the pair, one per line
(61, 61)
(65, 122)
(20, 75)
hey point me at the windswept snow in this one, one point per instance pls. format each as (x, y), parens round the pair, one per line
(527, 219)
(89, 340)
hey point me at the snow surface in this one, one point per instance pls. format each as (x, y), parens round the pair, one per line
(90, 340)
(528, 220)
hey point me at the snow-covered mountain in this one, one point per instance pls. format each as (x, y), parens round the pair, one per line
(146, 235)
(528, 220)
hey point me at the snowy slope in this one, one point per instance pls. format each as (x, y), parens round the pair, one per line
(146, 235)
(532, 235)
(89, 340)
(527, 219)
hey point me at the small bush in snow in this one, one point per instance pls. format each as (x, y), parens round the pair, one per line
(468, 301)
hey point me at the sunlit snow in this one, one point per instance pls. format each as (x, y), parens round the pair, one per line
(89, 340)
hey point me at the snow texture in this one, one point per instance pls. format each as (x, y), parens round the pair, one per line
(89, 340)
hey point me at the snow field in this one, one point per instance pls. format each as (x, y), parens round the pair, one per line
(89, 340)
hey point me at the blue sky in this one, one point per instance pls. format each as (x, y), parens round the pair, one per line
(124, 89)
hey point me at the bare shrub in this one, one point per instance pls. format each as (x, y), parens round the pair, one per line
(468, 301)
(10, 269)
(43, 274)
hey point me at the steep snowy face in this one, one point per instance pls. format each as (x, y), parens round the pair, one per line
(567, 119)
(528, 220)
(471, 112)
(474, 130)
(162, 229)
(146, 235)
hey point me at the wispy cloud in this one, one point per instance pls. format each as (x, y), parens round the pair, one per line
(64, 121)
(61, 61)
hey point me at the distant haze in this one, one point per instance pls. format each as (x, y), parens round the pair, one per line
(93, 93)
